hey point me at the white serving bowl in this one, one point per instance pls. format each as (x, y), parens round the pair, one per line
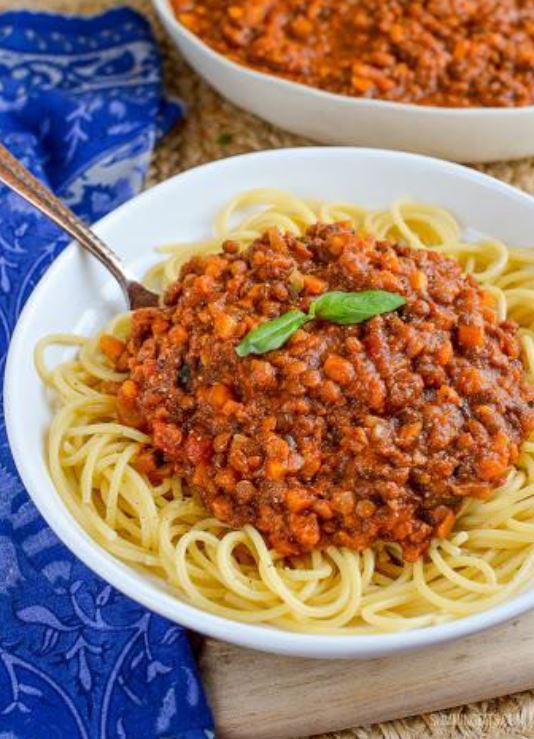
(458, 134)
(76, 294)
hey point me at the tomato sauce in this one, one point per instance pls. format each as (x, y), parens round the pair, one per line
(454, 53)
(346, 434)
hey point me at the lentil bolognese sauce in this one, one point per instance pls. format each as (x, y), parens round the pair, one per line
(347, 434)
(278, 460)
(453, 53)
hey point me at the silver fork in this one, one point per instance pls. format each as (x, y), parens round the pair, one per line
(15, 175)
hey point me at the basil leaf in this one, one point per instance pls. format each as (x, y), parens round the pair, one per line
(347, 308)
(338, 307)
(272, 334)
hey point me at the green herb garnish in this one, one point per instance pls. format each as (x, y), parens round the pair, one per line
(337, 307)
(347, 308)
(272, 334)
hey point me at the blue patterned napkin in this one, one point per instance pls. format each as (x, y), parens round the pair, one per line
(81, 104)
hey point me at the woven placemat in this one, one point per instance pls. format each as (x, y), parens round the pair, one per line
(214, 129)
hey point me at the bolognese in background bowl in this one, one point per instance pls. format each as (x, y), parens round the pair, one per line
(464, 134)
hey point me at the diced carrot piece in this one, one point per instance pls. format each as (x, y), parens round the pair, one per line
(409, 433)
(336, 243)
(500, 443)
(329, 392)
(312, 465)
(313, 285)
(204, 284)
(361, 84)
(129, 390)
(488, 299)
(111, 347)
(263, 373)
(491, 467)
(178, 335)
(444, 527)
(343, 501)
(127, 410)
(471, 335)
(160, 325)
(222, 508)
(305, 529)
(302, 27)
(215, 266)
(444, 353)
(224, 325)
(392, 262)
(201, 477)
(231, 407)
(472, 381)
(323, 509)
(218, 394)
(297, 499)
(145, 462)
(418, 280)
(275, 470)
(396, 33)
(478, 490)
(339, 369)
(277, 448)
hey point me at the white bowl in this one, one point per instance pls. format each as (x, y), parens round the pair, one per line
(459, 134)
(76, 294)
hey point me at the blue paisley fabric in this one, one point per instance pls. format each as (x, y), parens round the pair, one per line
(81, 104)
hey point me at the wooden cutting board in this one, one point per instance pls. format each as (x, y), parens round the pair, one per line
(262, 696)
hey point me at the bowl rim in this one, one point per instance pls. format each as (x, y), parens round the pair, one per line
(167, 13)
(125, 579)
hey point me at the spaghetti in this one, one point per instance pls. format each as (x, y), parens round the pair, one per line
(488, 557)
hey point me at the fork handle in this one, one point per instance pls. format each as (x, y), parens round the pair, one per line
(15, 175)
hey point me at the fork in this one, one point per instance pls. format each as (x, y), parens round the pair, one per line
(15, 175)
